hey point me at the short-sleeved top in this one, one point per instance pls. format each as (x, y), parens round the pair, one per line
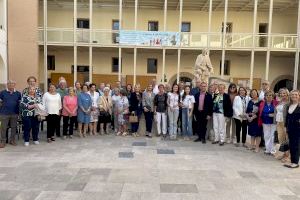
(218, 104)
(174, 100)
(71, 103)
(10, 102)
(122, 104)
(279, 114)
(188, 101)
(160, 101)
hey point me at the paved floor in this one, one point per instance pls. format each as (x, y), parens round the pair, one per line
(118, 168)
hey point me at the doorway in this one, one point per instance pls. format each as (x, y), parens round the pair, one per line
(285, 83)
(263, 31)
(82, 73)
(186, 80)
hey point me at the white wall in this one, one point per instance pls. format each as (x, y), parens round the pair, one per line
(3, 42)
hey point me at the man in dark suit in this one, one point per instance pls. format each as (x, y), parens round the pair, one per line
(203, 110)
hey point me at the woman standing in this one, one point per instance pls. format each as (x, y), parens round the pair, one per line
(105, 106)
(136, 108)
(230, 125)
(148, 99)
(282, 135)
(267, 120)
(173, 111)
(69, 112)
(52, 103)
(187, 103)
(84, 110)
(254, 130)
(115, 98)
(239, 114)
(160, 110)
(222, 112)
(123, 110)
(29, 118)
(94, 110)
(292, 123)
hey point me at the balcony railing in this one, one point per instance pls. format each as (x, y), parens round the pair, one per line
(3, 39)
(65, 36)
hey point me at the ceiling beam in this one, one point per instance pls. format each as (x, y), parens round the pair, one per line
(218, 6)
(245, 5)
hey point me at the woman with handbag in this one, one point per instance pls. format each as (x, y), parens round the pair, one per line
(240, 104)
(187, 104)
(123, 110)
(94, 110)
(30, 120)
(69, 112)
(52, 103)
(292, 124)
(148, 106)
(254, 130)
(84, 110)
(282, 135)
(135, 109)
(105, 106)
(173, 111)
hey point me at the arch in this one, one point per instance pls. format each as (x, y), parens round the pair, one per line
(279, 80)
(181, 75)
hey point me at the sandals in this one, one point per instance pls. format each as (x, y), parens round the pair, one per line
(49, 140)
(125, 134)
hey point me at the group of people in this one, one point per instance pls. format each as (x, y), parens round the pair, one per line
(209, 112)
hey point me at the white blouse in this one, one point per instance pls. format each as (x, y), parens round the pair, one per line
(95, 98)
(292, 108)
(279, 115)
(52, 103)
(173, 100)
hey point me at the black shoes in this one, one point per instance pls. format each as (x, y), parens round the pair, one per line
(197, 140)
(221, 144)
(203, 141)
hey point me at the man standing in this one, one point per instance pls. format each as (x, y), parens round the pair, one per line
(9, 110)
(203, 110)
(265, 86)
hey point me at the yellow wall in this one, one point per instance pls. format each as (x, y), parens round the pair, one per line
(240, 63)
(102, 19)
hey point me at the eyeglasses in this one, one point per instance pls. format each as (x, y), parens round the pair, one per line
(269, 95)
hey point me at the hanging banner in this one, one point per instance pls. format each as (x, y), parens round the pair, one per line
(150, 38)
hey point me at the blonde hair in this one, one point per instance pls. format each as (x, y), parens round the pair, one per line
(283, 90)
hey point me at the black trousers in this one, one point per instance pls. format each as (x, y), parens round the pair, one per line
(149, 121)
(201, 124)
(241, 125)
(53, 125)
(294, 143)
(68, 124)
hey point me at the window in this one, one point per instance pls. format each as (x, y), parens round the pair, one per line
(115, 64)
(228, 27)
(226, 67)
(152, 66)
(81, 68)
(51, 62)
(186, 27)
(115, 25)
(153, 26)
(83, 23)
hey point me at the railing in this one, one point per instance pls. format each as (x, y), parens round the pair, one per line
(187, 40)
(3, 39)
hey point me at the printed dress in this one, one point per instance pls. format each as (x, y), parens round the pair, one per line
(122, 107)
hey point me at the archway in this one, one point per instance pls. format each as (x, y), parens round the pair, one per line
(284, 81)
(186, 77)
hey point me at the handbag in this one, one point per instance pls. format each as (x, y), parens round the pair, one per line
(133, 118)
(104, 114)
(284, 147)
(41, 112)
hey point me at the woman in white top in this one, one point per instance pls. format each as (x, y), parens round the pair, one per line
(240, 104)
(173, 111)
(52, 103)
(94, 110)
(282, 135)
(187, 103)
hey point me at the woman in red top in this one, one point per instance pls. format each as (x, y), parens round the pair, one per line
(69, 112)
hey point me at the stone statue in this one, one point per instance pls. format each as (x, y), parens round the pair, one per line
(203, 66)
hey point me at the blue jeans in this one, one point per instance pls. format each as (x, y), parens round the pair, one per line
(173, 118)
(31, 123)
(186, 123)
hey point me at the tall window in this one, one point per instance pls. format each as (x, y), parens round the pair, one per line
(115, 65)
(83, 23)
(226, 67)
(152, 66)
(115, 24)
(186, 27)
(153, 26)
(51, 62)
